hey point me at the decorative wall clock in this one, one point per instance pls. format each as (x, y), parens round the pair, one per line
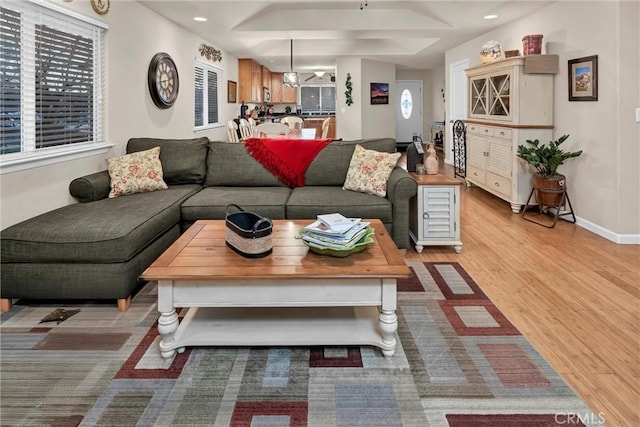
(163, 80)
(101, 6)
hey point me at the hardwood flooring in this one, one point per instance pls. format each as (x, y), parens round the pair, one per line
(572, 293)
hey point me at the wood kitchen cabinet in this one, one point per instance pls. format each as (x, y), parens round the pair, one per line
(249, 80)
(289, 95)
(276, 88)
(507, 106)
(266, 78)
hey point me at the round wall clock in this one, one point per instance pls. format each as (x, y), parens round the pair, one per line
(100, 6)
(163, 80)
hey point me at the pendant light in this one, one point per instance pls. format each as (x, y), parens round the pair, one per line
(291, 78)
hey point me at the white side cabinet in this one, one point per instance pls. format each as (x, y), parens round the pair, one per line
(508, 104)
(434, 217)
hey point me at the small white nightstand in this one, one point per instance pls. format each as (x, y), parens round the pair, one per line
(434, 217)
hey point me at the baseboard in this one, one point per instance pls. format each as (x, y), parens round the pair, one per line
(623, 239)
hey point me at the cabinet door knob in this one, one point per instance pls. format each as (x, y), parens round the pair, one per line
(497, 184)
(425, 215)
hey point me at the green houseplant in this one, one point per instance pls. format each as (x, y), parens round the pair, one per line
(546, 159)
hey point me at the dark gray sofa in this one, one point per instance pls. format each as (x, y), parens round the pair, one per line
(96, 249)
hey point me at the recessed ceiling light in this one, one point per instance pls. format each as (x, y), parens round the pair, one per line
(490, 16)
(200, 19)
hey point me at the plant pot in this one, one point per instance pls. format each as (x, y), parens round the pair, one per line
(549, 189)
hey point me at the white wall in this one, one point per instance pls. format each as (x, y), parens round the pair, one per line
(135, 34)
(349, 117)
(378, 121)
(361, 119)
(604, 182)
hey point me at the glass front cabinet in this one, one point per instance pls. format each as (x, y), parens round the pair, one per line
(506, 106)
(490, 96)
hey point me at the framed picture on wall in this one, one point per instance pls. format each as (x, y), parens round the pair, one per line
(583, 79)
(379, 93)
(231, 91)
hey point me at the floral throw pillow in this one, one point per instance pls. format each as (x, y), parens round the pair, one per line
(136, 173)
(369, 171)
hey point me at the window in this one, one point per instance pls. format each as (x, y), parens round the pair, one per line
(318, 99)
(206, 99)
(51, 70)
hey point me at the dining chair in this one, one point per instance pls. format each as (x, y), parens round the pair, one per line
(272, 129)
(252, 126)
(293, 122)
(232, 131)
(245, 129)
(325, 127)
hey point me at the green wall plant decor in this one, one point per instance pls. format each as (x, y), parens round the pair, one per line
(349, 87)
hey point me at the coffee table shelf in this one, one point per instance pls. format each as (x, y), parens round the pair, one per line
(275, 326)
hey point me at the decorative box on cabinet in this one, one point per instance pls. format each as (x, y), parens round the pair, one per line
(434, 212)
(507, 106)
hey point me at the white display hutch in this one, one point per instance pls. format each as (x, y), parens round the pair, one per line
(510, 101)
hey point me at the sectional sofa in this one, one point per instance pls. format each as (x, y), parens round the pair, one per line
(97, 248)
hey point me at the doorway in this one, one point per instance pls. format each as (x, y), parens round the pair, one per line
(409, 121)
(458, 102)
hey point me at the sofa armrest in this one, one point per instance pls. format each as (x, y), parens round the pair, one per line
(90, 188)
(401, 187)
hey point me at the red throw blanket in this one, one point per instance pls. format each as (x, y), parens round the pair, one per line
(288, 159)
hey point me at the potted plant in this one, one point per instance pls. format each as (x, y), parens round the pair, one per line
(546, 159)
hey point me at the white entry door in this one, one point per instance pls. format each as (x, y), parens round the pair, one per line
(408, 110)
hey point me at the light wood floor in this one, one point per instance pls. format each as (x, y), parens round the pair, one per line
(573, 294)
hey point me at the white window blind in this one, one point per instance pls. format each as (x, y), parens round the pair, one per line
(52, 70)
(206, 96)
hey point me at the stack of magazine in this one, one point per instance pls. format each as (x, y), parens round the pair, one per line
(335, 231)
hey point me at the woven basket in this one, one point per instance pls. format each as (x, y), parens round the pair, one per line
(248, 233)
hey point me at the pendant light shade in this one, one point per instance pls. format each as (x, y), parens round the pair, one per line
(291, 78)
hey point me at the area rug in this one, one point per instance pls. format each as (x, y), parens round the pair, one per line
(458, 362)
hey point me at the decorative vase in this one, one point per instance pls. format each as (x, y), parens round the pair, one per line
(431, 160)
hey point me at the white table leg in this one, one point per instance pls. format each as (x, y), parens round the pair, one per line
(167, 326)
(388, 319)
(388, 325)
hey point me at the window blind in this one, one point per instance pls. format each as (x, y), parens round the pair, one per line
(60, 59)
(10, 80)
(206, 95)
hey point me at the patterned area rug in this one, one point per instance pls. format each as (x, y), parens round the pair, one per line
(459, 362)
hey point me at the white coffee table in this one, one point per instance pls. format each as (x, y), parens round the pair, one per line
(291, 298)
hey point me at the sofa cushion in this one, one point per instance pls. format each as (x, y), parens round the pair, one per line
(211, 202)
(183, 160)
(230, 165)
(331, 164)
(136, 173)
(309, 201)
(369, 171)
(104, 231)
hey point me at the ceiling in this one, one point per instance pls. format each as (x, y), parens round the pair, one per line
(411, 34)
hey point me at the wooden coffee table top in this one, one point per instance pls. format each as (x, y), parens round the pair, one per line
(201, 253)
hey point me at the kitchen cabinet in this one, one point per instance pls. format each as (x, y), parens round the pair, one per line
(276, 88)
(507, 106)
(266, 77)
(289, 95)
(434, 212)
(249, 80)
